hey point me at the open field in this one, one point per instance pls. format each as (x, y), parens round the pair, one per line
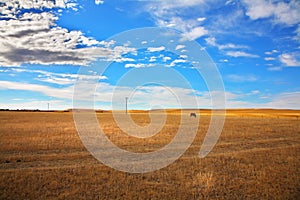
(256, 157)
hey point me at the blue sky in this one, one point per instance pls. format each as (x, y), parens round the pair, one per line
(254, 44)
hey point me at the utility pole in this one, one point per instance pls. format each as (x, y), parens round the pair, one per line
(126, 98)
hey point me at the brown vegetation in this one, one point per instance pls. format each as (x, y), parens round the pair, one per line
(256, 157)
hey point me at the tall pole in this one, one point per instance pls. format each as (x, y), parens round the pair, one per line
(126, 98)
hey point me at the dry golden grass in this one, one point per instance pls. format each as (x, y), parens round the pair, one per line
(256, 157)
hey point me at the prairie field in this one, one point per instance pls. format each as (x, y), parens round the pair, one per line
(256, 157)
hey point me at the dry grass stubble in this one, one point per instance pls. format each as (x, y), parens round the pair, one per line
(42, 157)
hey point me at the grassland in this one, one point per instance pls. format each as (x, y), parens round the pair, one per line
(256, 157)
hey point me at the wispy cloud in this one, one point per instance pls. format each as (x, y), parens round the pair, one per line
(241, 54)
(241, 78)
(269, 58)
(145, 97)
(285, 100)
(57, 78)
(212, 42)
(274, 51)
(180, 46)
(156, 49)
(290, 60)
(171, 14)
(280, 101)
(254, 92)
(274, 68)
(62, 93)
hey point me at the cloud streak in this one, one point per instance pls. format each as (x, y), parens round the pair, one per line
(241, 54)
(212, 42)
(156, 49)
(240, 78)
(61, 93)
(146, 97)
(171, 14)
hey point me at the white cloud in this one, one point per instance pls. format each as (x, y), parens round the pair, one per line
(62, 93)
(195, 33)
(156, 49)
(10, 8)
(229, 2)
(254, 92)
(57, 78)
(268, 53)
(69, 79)
(225, 23)
(241, 54)
(259, 9)
(180, 46)
(282, 12)
(145, 97)
(138, 65)
(179, 61)
(212, 42)
(169, 13)
(183, 56)
(274, 68)
(224, 60)
(34, 38)
(97, 2)
(104, 91)
(290, 60)
(121, 59)
(241, 78)
(232, 46)
(118, 51)
(285, 100)
(152, 59)
(107, 43)
(201, 19)
(166, 58)
(269, 58)
(279, 101)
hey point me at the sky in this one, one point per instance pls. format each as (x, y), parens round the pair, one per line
(158, 53)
